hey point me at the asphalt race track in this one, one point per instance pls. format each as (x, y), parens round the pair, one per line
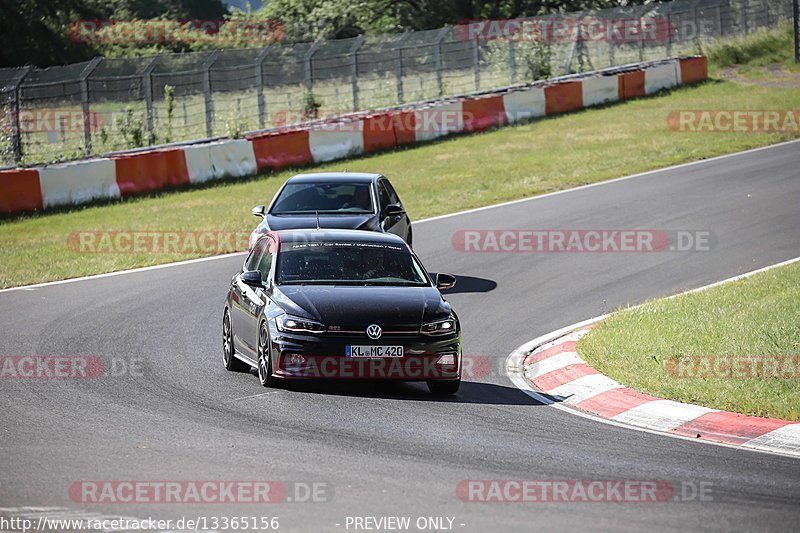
(399, 451)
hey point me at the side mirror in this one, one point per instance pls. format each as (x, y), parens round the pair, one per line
(252, 278)
(259, 211)
(445, 281)
(393, 210)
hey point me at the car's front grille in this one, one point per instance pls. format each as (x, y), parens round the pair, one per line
(392, 331)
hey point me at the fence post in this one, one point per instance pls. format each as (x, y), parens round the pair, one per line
(354, 68)
(476, 62)
(584, 53)
(641, 39)
(744, 18)
(796, 14)
(438, 60)
(512, 60)
(308, 66)
(262, 108)
(209, 103)
(574, 38)
(16, 131)
(147, 85)
(669, 34)
(87, 121)
(694, 21)
(398, 68)
(611, 58)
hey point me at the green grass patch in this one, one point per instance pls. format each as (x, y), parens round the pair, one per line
(433, 179)
(758, 49)
(754, 317)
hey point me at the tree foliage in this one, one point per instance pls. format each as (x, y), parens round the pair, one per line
(38, 31)
(328, 19)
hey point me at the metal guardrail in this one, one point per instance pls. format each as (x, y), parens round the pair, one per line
(107, 105)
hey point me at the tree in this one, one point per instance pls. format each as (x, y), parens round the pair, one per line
(38, 31)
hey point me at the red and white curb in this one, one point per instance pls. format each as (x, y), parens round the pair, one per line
(550, 370)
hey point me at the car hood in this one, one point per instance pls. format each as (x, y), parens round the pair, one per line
(281, 222)
(357, 307)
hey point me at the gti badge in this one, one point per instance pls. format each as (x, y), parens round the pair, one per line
(374, 331)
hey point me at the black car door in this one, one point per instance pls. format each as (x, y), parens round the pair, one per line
(389, 223)
(243, 299)
(404, 223)
(257, 297)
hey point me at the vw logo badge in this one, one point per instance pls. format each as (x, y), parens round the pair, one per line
(374, 331)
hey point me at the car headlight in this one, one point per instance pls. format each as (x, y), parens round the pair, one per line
(441, 327)
(293, 324)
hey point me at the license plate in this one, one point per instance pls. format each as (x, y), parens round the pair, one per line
(374, 351)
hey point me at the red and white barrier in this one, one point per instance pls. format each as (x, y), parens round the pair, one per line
(25, 190)
(78, 183)
(484, 112)
(525, 104)
(336, 140)
(20, 190)
(438, 120)
(281, 149)
(218, 160)
(599, 90)
(662, 76)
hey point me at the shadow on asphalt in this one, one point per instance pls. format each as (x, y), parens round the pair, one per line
(467, 284)
(469, 392)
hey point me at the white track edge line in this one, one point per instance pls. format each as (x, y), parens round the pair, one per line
(121, 272)
(608, 182)
(515, 359)
(424, 220)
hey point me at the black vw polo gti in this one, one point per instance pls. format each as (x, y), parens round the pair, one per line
(341, 304)
(338, 200)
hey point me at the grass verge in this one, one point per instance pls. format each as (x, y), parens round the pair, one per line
(433, 179)
(755, 51)
(681, 348)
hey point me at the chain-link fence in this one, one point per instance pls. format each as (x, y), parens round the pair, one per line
(106, 105)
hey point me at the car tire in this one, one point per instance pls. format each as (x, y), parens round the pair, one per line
(444, 388)
(228, 359)
(265, 376)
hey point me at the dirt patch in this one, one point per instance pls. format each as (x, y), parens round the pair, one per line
(783, 79)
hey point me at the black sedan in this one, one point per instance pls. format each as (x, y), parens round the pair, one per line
(340, 200)
(340, 304)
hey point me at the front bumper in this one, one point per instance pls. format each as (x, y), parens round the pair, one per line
(296, 356)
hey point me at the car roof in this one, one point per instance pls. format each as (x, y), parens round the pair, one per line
(335, 177)
(336, 235)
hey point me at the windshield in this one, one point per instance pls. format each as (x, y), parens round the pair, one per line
(327, 198)
(348, 263)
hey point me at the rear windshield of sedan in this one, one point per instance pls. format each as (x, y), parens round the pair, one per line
(324, 198)
(348, 263)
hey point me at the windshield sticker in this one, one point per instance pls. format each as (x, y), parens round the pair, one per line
(340, 245)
